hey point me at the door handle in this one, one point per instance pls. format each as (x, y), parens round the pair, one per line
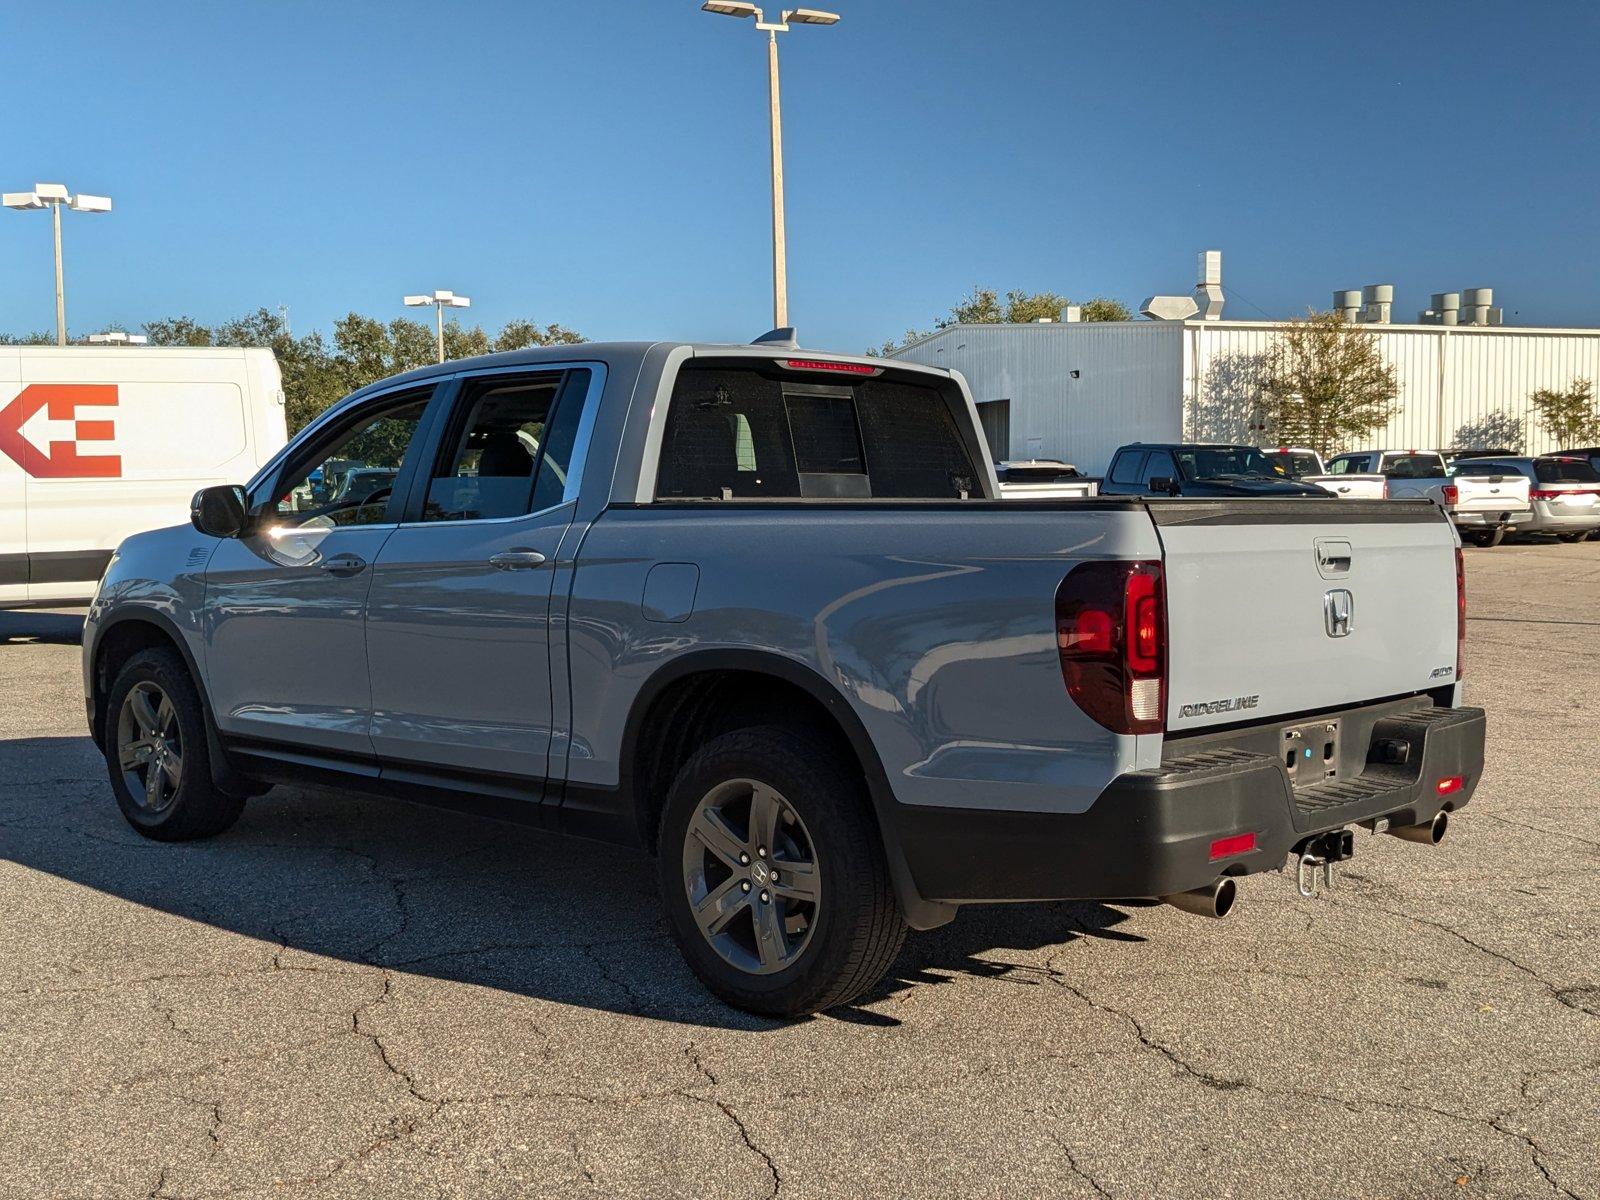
(343, 564)
(516, 560)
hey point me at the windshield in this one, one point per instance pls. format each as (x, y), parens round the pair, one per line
(1215, 462)
(1296, 464)
(1565, 470)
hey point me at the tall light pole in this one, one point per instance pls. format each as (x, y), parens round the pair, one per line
(800, 16)
(440, 301)
(53, 196)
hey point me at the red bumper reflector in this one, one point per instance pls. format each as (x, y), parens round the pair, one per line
(1239, 843)
(1450, 783)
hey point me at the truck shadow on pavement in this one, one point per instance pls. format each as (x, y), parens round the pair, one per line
(397, 886)
(21, 625)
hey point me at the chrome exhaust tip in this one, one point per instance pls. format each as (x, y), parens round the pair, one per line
(1430, 834)
(1214, 901)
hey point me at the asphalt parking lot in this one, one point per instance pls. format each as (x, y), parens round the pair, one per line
(347, 997)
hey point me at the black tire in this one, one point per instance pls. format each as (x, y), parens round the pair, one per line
(1489, 539)
(194, 807)
(855, 930)
(1571, 537)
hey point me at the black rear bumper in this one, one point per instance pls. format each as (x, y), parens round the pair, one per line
(1150, 833)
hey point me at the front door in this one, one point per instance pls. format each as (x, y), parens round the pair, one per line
(458, 621)
(285, 605)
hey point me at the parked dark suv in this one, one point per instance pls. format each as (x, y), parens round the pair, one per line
(1191, 469)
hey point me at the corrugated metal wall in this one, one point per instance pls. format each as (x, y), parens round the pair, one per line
(1130, 376)
(1458, 386)
(1158, 381)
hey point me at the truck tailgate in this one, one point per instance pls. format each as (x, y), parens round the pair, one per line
(1280, 607)
(1490, 493)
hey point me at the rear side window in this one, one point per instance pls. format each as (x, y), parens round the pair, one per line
(753, 430)
(510, 447)
(1565, 470)
(1126, 468)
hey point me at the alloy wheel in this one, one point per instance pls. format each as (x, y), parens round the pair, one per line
(150, 747)
(751, 874)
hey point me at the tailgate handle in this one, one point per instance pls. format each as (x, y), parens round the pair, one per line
(1333, 558)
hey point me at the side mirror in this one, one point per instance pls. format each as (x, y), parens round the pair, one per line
(1163, 483)
(219, 511)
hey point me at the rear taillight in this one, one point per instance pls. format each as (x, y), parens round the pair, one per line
(1385, 487)
(838, 368)
(1461, 613)
(1452, 493)
(1542, 493)
(1111, 634)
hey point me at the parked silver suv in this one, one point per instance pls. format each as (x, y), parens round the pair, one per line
(1563, 491)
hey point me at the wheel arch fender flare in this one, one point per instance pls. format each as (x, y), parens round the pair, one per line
(919, 912)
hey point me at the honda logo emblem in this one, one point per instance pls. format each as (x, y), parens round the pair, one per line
(1339, 610)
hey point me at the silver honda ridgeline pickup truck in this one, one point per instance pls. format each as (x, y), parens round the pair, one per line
(759, 610)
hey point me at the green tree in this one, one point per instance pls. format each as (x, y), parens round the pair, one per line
(1324, 383)
(317, 372)
(1568, 415)
(37, 338)
(985, 307)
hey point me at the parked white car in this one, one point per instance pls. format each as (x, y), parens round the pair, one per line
(1043, 479)
(1306, 465)
(100, 443)
(1484, 507)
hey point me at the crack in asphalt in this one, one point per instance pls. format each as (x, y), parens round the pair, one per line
(772, 1167)
(1496, 1122)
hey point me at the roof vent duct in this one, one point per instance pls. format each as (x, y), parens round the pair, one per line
(1208, 290)
(1347, 304)
(1377, 301)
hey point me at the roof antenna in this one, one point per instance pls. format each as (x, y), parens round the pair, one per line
(782, 337)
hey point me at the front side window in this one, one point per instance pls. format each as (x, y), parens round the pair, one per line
(1158, 466)
(508, 454)
(352, 477)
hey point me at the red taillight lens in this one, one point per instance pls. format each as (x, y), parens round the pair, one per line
(1239, 843)
(1452, 493)
(1542, 493)
(1450, 783)
(1461, 613)
(1385, 487)
(1111, 634)
(838, 368)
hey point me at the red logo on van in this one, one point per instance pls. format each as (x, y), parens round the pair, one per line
(63, 460)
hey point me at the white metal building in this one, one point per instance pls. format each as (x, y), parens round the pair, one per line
(1077, 391)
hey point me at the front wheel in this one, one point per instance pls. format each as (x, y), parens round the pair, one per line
(1489, 538)
(772, 874)
(156, 750)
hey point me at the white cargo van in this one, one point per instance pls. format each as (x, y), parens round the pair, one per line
(97, 443)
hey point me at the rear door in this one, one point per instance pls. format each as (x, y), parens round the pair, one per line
(1278, 607)
(1487, 487)
(458, 621)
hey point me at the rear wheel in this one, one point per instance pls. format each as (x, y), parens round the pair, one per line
(1571, 537)
(156, 751)
(1489, 538)
(772, 874)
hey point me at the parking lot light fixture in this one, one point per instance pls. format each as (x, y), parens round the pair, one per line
(116, 337)
(53, 196)
(800, 16)
(440, 300)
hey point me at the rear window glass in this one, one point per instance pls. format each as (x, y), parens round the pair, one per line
(1220, 462)
(752, 431)
(1412, 466)
(1564, 470)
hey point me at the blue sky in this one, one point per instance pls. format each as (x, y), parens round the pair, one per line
(604, 164)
